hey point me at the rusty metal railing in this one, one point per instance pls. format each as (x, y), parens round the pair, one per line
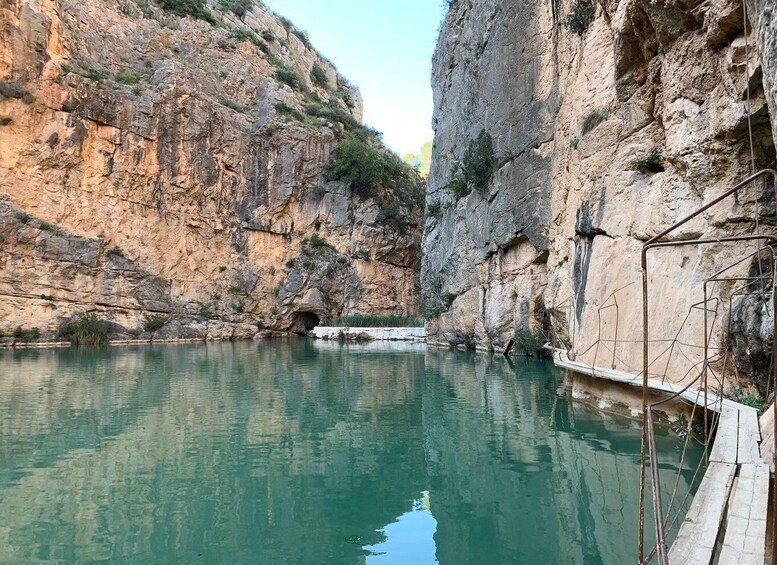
(648, 443)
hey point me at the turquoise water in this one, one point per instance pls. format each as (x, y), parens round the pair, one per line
(307, 452)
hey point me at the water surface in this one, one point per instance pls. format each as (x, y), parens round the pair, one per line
(308, 452)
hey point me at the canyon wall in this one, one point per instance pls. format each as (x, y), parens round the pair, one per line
(144, 152)
(603, 135)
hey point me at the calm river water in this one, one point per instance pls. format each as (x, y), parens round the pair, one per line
(294, 451)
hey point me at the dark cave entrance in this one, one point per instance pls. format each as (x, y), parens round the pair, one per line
(305, 321)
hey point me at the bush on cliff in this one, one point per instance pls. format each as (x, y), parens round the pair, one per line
(367, 169)
(194, 8)
(581, 16)
(476, 168)
(87, 330)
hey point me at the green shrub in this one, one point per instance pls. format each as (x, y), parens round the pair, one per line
(250, 36)
(88, 330)
(581, 16)
(238, 7)
(5, 120)
(45, 226)
(650, 163)
(317, 242)
(127, 77)
(434, 210)
(268, 36)
(87, 71)
(476, 168)
(289, 76)
(232, 105)
(374, 321)
(205, 311)
(593, 119)
(22, 334)
(318, 76)
(290, 112)
(194, 8)
(23, 217)
(259, 324)
(303, 37)
(574, 142)
(154, 322)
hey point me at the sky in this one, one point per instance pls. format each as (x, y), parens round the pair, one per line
(384, 48)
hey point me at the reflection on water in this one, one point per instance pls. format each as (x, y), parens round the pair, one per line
(301, 452)
(410, 539)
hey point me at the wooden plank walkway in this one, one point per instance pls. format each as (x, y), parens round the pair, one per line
(746, 520)
(741, 512)
(695, 542)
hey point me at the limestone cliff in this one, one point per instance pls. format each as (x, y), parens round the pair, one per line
(190, 150)
(601, 137)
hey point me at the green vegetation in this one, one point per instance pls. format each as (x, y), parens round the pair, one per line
(303, 37)
(581, 16)
(238, 7)
(194, 8)
(318, 76)
(434, 210)
(232, 105)
(650, 163)
(268, 36)
(154, 322)
(422, 160)
(316, 241)
(250, 36)
(87, 330)
(259, 324)
(574, 142)
(127, 77)
(528, 342)
(5, 120)
(374, 321)
(21, 334)
(374, 172)
(593, 119)
(289, 76)
(23, 217)
(736, 394)
(435, 302)
(476, 167)
(46, 297)
(87, 71)
(45, 226)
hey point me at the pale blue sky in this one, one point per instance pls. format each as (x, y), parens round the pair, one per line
(383, 47)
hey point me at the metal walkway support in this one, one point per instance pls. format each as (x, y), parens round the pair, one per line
(692, 545)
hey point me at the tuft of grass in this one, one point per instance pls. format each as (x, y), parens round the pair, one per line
(581, 16)
(374, 321)
(528, 342)
(23, 217)
(92, 73)
(238, 7)
(127, 77)
(433, 210)
(87, 330)
(593, 119)
(5, 120)
(650, 163)
(303, 37)
(574, 142)
(21, 334)
(232, 105)
(45, 226)
(154, 322)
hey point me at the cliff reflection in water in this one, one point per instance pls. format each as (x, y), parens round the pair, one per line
(302, 452)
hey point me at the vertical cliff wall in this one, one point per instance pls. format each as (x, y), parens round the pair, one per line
(601, 138)
(191, 148)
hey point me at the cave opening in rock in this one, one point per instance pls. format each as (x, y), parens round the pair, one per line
(305, 321)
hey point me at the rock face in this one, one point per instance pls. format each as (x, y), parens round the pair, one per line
(601, 140)
(195, 152)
